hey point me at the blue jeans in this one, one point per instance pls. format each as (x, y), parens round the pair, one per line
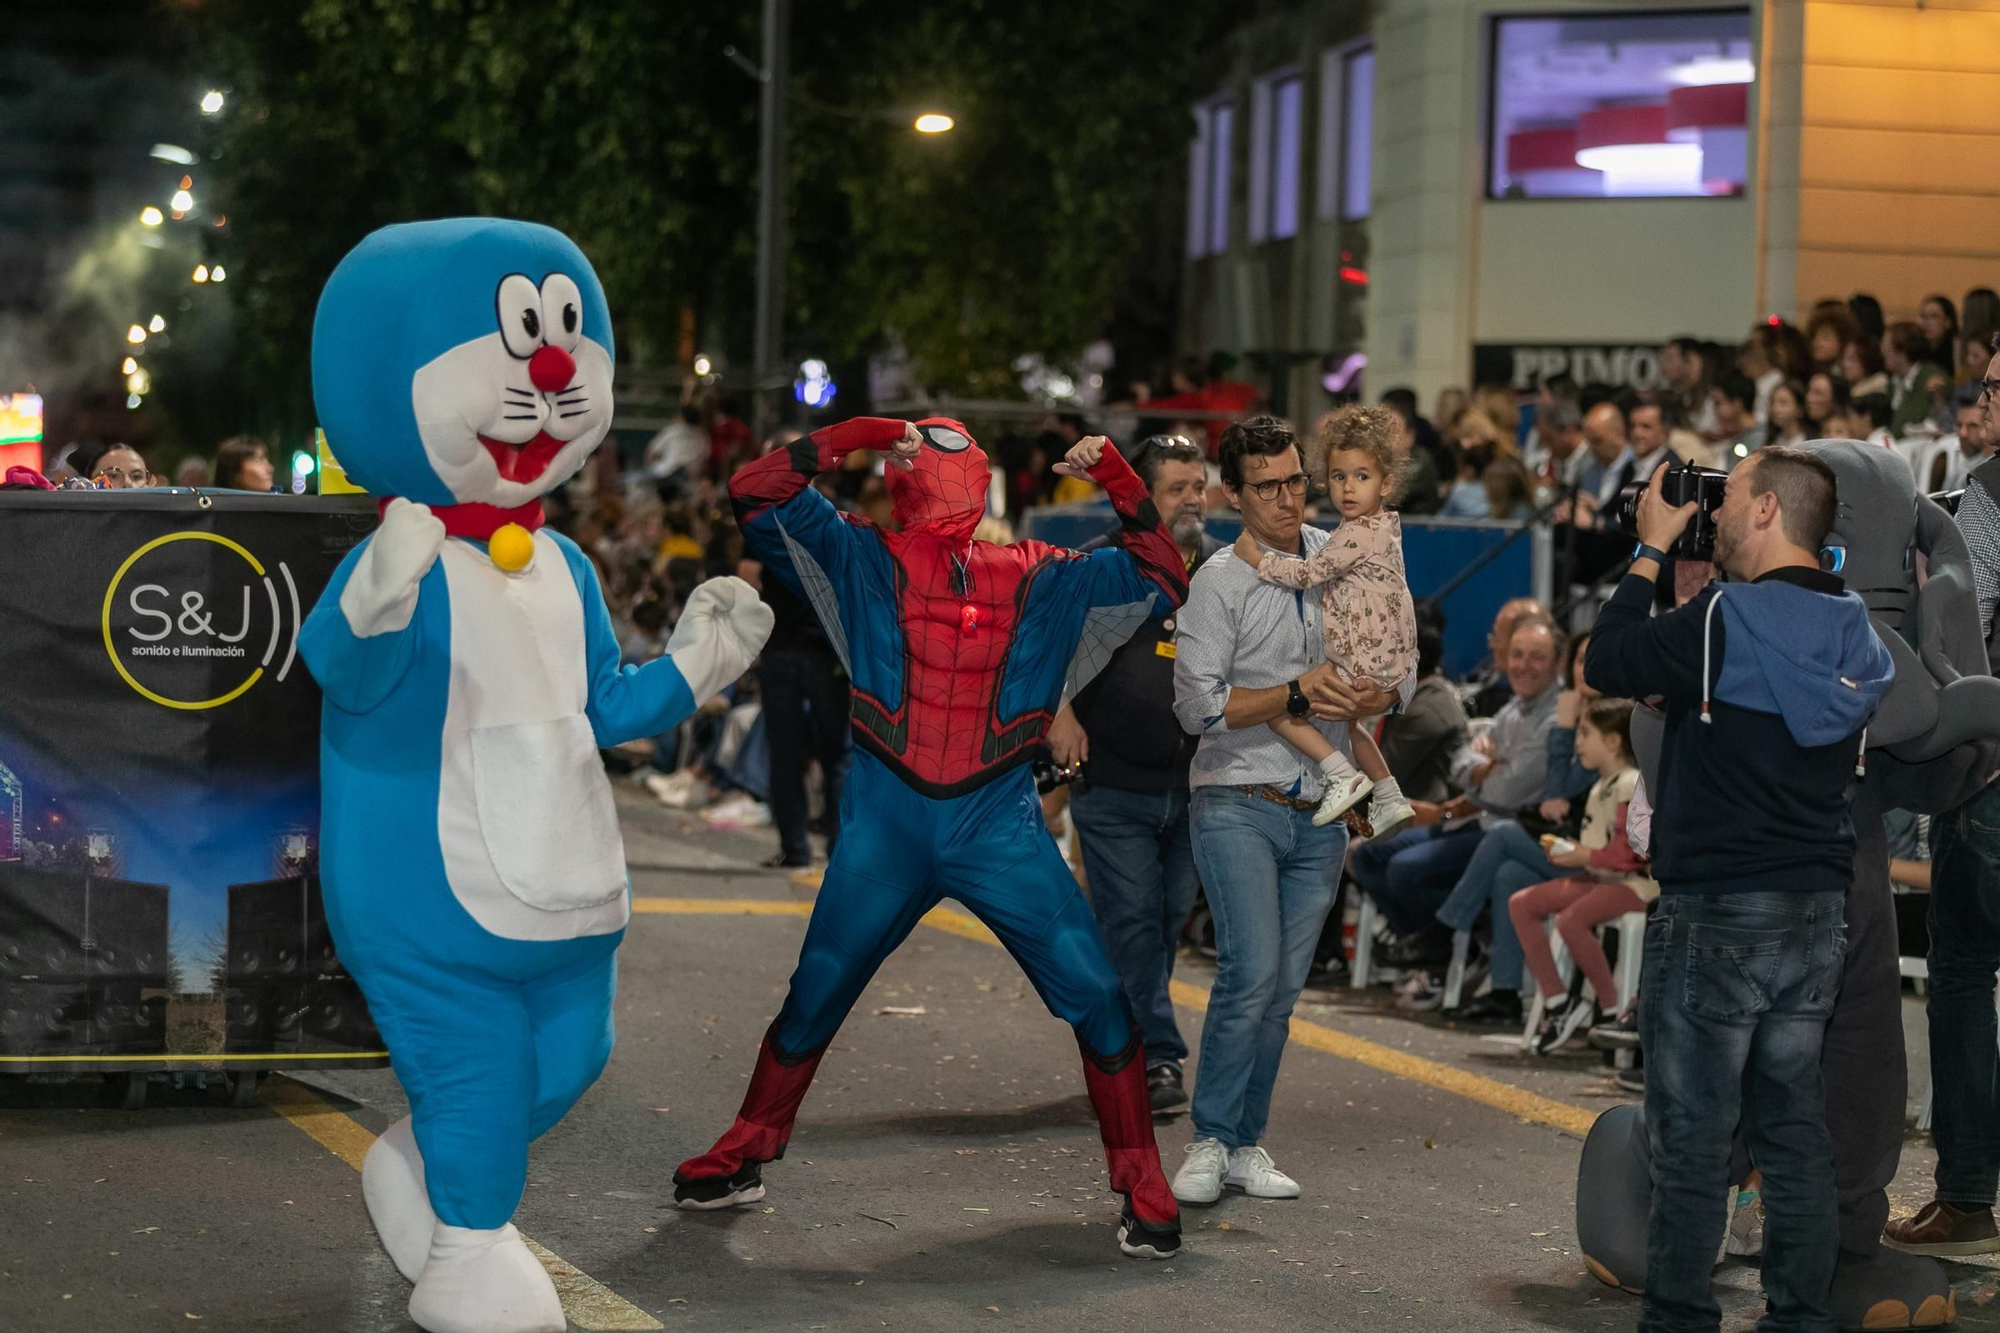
(1269, 878)
(1507, 860)
(1410, 875)
(1736, 993)
(1139, 859)
(1964, 955)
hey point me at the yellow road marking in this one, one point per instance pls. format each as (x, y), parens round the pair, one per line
(588, 1303)
(1491, 1092)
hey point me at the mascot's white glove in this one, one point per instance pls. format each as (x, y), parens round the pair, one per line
(721, 630)
(381, 593)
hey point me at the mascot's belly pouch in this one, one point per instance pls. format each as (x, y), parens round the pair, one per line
(525, 817)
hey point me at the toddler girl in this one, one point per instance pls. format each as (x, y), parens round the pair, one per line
(1371, 627)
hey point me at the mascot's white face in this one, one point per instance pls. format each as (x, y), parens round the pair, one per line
(508, 416)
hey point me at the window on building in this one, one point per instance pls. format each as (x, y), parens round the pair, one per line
(1277, 139)
(1620, 105)
(1208, 180)
(1347, 122)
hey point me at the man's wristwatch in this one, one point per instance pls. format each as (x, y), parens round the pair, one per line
(1296, 704)
(1645, 552)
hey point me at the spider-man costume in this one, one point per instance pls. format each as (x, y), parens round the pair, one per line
(960, 653)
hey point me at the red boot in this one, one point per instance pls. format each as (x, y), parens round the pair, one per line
(728, 1173)
(1151, 1225)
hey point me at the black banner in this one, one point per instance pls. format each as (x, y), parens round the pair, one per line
(159, 784)
(1521, 366)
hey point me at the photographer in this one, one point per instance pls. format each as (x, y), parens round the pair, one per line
(1769, 682)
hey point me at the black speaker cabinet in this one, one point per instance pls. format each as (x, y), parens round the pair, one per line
(61, 926)
(44, 1018)
(267, 932)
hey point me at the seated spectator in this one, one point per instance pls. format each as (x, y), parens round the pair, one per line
(1828, 332)
(1826, 396)
(192, 472)
(1615, 881)
(1567, 776)
(1501, 774)
(1735, 418)
(116, 467)
(1488, 693)
(1509, 495)
(1913, 380)
(243, 463)
(1475, 443)
(1861, 367)
(1420, 742)
(1788, 414)
(1420, 493)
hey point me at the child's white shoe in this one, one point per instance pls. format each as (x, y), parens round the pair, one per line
(1342, 795)
(1387, 814)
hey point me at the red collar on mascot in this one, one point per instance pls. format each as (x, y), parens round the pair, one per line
(944, 495)
(479, 521)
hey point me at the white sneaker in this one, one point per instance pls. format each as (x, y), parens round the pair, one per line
(1341, 796)
(1252, 1171)
(740, 811)
(1200, 1178)
(683, 790)
(1388, 815)
(1745, 1237)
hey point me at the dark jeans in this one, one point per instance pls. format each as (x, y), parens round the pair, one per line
(1964, 955)
(1736, 994)
(1410, 875)
(1140, 862)
(805, 718)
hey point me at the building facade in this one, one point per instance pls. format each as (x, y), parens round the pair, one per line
(1466, 191)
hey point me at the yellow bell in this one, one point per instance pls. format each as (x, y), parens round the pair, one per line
(511, 547)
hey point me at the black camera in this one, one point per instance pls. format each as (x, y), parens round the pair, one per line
(1684, 483)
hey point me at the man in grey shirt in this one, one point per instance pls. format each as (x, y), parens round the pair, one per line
(1248, 652)
(1502, 773)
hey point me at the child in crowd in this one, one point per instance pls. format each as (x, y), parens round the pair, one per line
(1370, 624)
(1613, 880)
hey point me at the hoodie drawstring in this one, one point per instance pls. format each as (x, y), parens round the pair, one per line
(1707, 629)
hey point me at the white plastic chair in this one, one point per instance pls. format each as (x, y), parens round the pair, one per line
(1631, 951)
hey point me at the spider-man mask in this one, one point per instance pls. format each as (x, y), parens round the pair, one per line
(944, 495)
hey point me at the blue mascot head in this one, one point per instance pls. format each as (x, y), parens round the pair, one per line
(463, 361)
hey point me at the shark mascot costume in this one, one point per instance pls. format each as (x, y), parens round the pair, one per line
(474, 872)
(1931, 748)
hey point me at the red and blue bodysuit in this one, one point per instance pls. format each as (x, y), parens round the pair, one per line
(960, 653)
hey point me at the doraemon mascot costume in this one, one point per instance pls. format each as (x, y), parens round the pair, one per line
(1931, 747)
(474, 873)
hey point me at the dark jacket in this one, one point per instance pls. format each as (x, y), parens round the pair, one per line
(1418, 743)
(1768, 688)
(1127, 709)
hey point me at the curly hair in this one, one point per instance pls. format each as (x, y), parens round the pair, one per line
(1265, 436)
(1374, 431)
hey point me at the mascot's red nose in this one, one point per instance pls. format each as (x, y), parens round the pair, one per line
(551, 369)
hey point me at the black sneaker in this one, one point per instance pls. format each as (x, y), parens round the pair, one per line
(1619, 1034)
(711, 1192)
(1163, 1087)
(1632, 1080)
(779, 861)
(1147, 1240)
(1496, 1008)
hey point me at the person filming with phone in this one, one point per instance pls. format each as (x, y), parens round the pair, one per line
(1769, 681)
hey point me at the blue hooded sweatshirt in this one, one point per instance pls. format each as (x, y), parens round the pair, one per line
(1768, 688)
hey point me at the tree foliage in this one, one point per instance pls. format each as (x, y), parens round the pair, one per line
(623, 123)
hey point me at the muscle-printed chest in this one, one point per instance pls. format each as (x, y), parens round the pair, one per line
(959, 618)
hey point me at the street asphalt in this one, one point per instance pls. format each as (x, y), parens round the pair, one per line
(945, 1173)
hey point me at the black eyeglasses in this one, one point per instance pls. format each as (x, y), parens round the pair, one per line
(1268, 490)
(1989, 389)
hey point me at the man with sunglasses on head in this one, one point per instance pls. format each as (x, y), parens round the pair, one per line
(1248, 652)
(1131, 802)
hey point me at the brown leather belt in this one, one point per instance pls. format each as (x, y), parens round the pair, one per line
(1266, 792)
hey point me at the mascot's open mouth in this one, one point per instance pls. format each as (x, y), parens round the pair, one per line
(524, 462)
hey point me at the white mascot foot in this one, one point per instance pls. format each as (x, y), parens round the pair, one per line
(392, 1185)
(484, 1282)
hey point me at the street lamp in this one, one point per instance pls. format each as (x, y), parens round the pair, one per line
(934, 122)
(211, 102)
(151, 216)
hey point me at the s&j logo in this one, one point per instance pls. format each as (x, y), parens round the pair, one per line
(191, 627)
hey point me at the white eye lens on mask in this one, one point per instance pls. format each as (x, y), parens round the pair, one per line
(948, 440)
